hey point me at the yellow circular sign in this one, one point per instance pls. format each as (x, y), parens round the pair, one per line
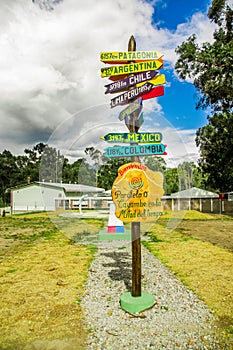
(137, 193)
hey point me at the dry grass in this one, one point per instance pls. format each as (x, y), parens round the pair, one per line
(218, 232)
(191, 215)
(207, 269)
(41, 282)
(42, 276)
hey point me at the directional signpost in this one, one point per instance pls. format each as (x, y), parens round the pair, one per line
(136, 78)
(143, 137)
(156, 92)
(136, 150)
(157, 80)
(131, 94)
(130, 81)
(131, 68)
(138, 121)
(125, 57)
(145, 91)
(132, 107)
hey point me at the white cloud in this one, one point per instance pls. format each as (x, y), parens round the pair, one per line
(50, 68)
(166, 41)
(97, 121)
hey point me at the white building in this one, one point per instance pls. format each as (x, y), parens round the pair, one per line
(52, 196)
(193, 198)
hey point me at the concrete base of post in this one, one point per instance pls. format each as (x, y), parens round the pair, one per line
(136, 304)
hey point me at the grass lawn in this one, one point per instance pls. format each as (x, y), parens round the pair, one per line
(204, 267)
(42, 276)
(42, 272)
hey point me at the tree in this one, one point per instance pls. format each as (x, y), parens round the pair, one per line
(29, 163)
(97, 159)
(216, 143)
(189, 175)
(8, 173)
(51, 164)
(210, 65)
(156, 164)
(108, 172)
(171, 184)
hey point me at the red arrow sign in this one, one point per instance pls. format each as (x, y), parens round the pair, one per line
(155, 92)
(130, 94)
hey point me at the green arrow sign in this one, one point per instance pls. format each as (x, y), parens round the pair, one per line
(143, 137)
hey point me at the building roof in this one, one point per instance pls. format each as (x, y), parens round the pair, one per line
(65, 187)
(73, 187)
(194, 192)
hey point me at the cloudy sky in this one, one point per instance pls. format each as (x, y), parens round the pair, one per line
(51, 89)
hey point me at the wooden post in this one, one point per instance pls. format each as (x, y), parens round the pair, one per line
(135, 226)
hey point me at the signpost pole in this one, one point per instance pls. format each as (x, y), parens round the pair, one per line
(135, 226)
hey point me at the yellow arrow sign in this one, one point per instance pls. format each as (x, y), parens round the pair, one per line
(116, 57)
(157, 80)
(131, 68)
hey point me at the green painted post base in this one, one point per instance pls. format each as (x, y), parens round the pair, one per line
(136, 304)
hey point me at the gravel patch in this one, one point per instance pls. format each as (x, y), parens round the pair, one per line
(178, 320)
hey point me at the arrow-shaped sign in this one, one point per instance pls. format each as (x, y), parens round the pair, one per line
(130, 81)
(146, 92)
(143, 137)
(130, 94)
(137, 122)
(131, 108)
(121, 57)
(131, 68)
(156, 92)
(157, 80)
(135, 150)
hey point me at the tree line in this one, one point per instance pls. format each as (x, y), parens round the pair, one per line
(210, 67)
(47, 164)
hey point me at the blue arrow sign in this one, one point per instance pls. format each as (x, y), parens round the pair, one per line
(135, 150)
(137, 123)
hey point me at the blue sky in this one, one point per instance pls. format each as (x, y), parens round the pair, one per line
(179, 101)
(179, 104)
(169, 14)
(51, 89)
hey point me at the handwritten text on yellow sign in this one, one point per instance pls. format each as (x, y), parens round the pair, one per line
(137, 193)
